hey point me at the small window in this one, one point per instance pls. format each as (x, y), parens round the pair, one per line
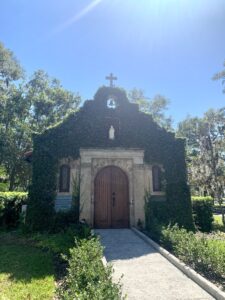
(156, 177)
(64, 178)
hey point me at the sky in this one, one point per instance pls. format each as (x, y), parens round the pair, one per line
(167, 47)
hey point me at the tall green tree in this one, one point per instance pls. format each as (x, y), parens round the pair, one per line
(49, 102)
(25, 108)
(156, 107)
(220, 76)
(10, 73)
(16, 139)
(10, 68)
(11, 112)
(205, 151)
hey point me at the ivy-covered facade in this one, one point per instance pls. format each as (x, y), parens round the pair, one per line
(110, 126)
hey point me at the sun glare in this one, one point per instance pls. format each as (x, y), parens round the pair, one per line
(78, 15)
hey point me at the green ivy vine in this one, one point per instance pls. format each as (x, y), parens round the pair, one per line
(89, 128)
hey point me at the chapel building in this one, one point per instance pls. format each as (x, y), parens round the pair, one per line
(110, 156)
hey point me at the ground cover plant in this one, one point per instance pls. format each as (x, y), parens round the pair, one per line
(202, 208)
(87, 277)
(10, 208)
(26, 272)
(218, 223)
(32, 265)
(203, 252)
(202, 249)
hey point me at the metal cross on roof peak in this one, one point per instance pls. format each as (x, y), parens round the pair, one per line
(111, 77)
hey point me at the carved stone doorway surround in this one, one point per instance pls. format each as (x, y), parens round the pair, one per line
(130, 161)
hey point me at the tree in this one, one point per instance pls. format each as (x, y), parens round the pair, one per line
(49, 102)
(10, 71)
(220, 75)
(15, 138)
(10, 68)
(25, 108)
(205, 151)
(11, 112)
(156, 107)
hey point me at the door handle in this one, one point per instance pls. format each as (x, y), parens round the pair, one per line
(113, 199)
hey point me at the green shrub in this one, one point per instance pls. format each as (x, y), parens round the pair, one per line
(87, 277)
(10, 207)
(4, 187)
(200, 198)
(160, 209)
(204, 253)
(179, 204)
(61, 242)
(177, 239)
(203, 213)
(63, 219)
(156, 215)
(152, 224)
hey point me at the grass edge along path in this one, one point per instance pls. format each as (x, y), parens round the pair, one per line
(26, 272)
(32, 267)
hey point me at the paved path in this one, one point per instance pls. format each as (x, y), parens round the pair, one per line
(147, 274)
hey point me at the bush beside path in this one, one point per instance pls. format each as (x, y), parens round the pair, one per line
(63, 265)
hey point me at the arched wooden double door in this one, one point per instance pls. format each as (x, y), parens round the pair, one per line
(111, 202)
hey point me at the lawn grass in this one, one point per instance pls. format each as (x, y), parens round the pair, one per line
(218, 223)
(58, 243)
(26, 272)
(30, 264)
(218, 219)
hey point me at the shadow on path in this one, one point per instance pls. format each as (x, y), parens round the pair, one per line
(122, 244)
(146, 273)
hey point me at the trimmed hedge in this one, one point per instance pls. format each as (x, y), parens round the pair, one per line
(204, 253)
(160, 211)
(203, 213)
(87, 277)
(156, 215)
(64, 219)
(201, 198)
(10, 207)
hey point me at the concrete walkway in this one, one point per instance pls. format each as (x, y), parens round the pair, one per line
(147, 275)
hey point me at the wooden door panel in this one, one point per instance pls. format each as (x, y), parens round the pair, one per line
(102, 195)
(111, 208)
(119, 186)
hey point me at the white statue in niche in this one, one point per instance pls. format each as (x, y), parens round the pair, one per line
(111, 133)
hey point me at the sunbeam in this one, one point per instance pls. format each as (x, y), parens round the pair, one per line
(78, 15)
